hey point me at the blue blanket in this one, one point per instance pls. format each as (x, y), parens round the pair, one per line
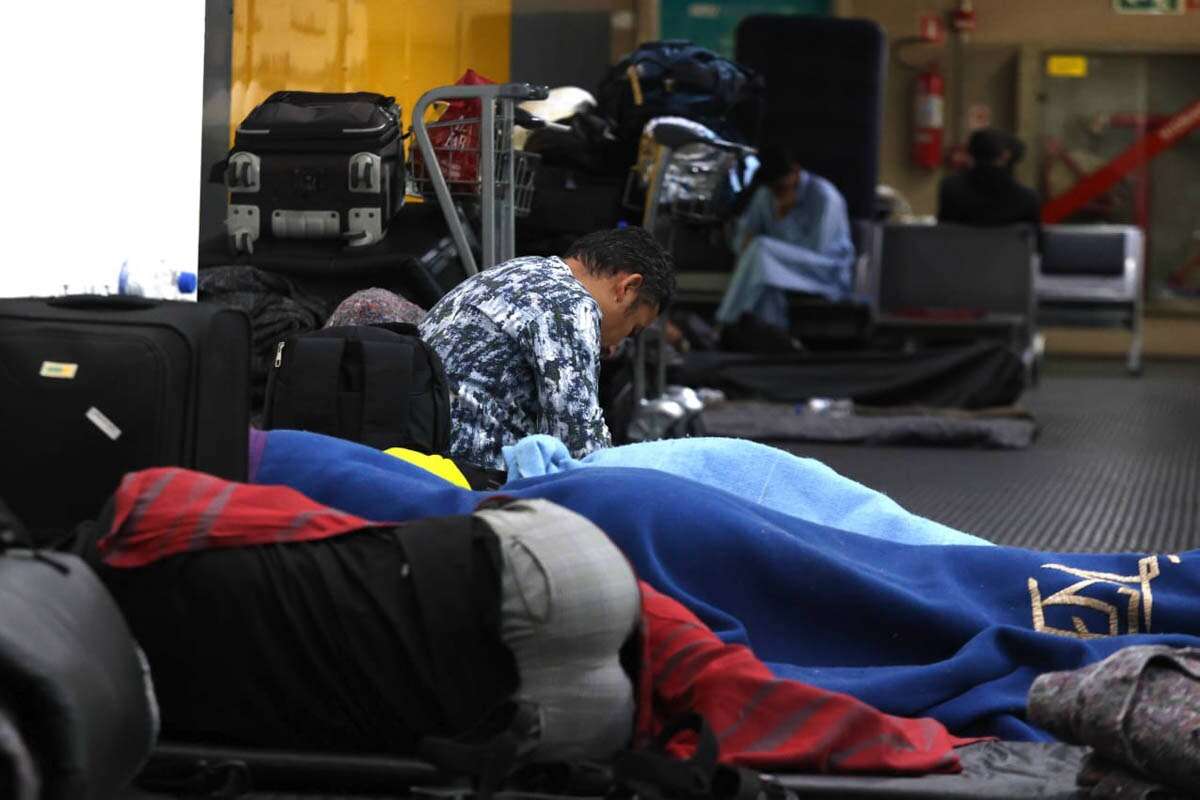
(956, 633)
(801, 487)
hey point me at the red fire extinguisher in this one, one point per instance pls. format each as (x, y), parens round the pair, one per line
(929, 119)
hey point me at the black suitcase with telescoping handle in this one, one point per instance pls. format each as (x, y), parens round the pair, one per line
(315, 165)
(92, 387)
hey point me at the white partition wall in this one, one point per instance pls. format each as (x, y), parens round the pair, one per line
(101, 139)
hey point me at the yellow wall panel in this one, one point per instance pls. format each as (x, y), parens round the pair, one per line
(397, 47)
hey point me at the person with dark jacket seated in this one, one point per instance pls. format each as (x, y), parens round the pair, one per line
(987, 193)
(521, 342)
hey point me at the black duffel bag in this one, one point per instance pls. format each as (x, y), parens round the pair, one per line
(377, 385)
(585, 142)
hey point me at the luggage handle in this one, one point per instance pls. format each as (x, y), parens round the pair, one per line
(113, 302)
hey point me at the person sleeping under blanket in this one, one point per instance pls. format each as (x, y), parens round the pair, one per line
(951, 632)
(271, 620)
(768, 476)
(801, 487)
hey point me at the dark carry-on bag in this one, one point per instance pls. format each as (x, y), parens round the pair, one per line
(573, 203)
(93, 387)
(377, 385)
(77, 714)
(315, 165)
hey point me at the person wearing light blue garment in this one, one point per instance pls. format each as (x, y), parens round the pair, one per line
(799, 487)
(792, 236)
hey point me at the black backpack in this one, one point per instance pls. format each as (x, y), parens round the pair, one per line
(588, 145)
(680, 79)
(377, 385)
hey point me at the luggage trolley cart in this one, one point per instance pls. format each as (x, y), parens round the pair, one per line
(683, 166)
(489, 179)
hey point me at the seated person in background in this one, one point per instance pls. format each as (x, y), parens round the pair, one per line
(792, 235)
(987, 193)
(521, 342)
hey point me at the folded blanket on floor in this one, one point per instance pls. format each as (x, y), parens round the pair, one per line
(979, 375)
(956, 633)
(1139, 709)
(781, 422)
(800, 487)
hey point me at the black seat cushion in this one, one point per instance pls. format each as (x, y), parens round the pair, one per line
(825, 81)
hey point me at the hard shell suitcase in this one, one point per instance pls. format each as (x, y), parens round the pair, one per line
(315, 165)
(331, 271)
(93, 387)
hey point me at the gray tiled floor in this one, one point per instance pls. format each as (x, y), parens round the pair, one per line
(1116, 465)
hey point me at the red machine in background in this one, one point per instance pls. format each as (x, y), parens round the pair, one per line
(1093, 190)
(1154, 136)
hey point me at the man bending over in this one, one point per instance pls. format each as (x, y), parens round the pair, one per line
(521, 342)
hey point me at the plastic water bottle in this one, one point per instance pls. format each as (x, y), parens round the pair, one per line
(157, 281)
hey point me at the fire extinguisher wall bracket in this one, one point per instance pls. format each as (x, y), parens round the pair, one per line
(962, 19)
(929, 118)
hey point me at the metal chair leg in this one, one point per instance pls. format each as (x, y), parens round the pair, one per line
(1134, 360)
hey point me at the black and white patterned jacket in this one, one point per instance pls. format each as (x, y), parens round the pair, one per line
(521, 346)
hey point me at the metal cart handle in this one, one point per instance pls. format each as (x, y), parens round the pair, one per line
(487, 94)
(675, 134)
(670, 134)
(524, 119)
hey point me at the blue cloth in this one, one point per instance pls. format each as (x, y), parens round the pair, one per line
(799, 487)
(808, 250)
(934, 630)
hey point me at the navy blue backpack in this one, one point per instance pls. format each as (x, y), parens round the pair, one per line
(681, 79)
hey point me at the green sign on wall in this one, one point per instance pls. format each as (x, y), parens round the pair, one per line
(713, 23)
(1148, 6)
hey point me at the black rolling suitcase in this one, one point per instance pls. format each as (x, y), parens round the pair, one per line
(93, 387)
(569, 201)
(315, 165)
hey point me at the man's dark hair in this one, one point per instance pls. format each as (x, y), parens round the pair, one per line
(631, 250)
(988, 144)
(774, 162)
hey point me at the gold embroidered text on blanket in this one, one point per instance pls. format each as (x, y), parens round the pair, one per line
(1131, 591)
